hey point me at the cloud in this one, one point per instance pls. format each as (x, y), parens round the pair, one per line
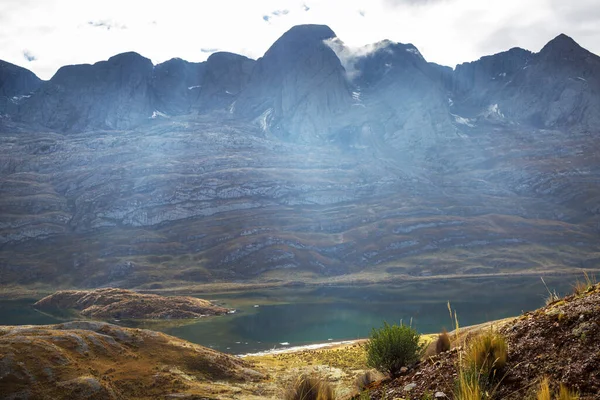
(108, 25)
(349, 56)
(29, 56)
(445, 31)
(209, 50)
(276, 13)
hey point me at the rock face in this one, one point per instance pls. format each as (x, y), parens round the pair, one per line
(557, 87)
(306, 162)
(175, 86)
(126, 304)
(111, 94)
(401, 98)
(93, 360)
(16, 83)
(226, 76)
(298, 88)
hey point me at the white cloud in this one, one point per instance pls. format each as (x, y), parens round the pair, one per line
(448, 32)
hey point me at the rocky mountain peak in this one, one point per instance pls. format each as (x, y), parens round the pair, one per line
(563, 48)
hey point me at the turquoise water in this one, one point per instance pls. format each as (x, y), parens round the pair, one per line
(301, 316)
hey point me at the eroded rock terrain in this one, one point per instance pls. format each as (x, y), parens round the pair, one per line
(290, 168)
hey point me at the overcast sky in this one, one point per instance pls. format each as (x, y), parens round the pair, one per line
(43, 35)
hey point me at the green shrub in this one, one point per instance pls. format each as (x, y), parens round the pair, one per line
(310, 388)
(392, 347)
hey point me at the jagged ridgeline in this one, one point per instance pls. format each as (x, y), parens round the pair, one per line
(314, 160)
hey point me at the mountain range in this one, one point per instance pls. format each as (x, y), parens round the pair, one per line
(314, 161)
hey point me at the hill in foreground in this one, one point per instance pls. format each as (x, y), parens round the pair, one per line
(93, 360)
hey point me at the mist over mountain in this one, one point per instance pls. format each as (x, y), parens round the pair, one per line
(313, 161)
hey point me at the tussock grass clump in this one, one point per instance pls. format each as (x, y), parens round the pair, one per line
(392, 347)
(468, 387)
(581, 287)
(544, 392)
(487, 353)
(566, 394)
(443, 343)
(309, 388)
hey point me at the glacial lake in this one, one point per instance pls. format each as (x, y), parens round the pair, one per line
(283, 317)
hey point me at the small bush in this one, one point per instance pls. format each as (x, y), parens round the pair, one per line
(487, 353)
(565, 394)
(443, 342)
(392, 347)
(543, 392)
(309, 388)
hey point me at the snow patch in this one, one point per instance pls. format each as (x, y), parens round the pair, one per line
(265, 118)
(193, 87)
(158, 114)
(356, 96)
(232, 107)
(414, 51)
(494, 109)
(450, 102)
(463, 120)
(17, 99)
(228, 92)
(582, 79)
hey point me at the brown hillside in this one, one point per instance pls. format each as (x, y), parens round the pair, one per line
(93, 360)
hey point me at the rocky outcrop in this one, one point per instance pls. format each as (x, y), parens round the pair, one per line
(298, 89)
(126, 304)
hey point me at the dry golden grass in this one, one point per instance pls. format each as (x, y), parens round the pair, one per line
(566, 394)
(310, 388)
(487, 353)
(468, 387)
(543, 392)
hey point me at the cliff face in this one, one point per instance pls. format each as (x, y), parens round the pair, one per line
(175, 85)
(16, 84)
(298, 88)
(113, 94)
